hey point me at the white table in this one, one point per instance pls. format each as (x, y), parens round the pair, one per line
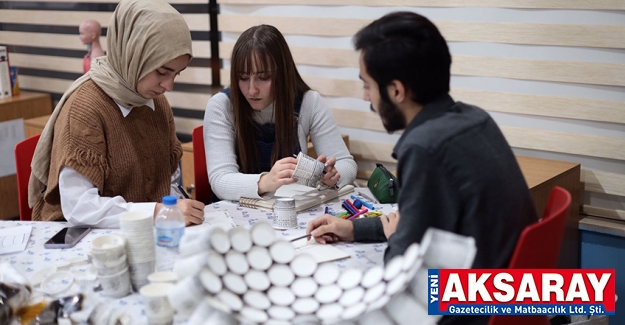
(36, 257)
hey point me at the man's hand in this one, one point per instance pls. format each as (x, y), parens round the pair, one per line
(331, 175)
(280, 174)
(328, 229)
(389, 223)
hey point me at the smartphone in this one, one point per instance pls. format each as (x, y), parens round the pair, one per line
(68, 237)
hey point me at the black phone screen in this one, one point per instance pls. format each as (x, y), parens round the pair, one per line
(67, 235)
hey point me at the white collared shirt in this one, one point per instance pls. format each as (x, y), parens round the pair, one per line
(82, 205)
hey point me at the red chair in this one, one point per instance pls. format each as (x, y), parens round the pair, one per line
(203, 191)
(538, 248)
(24, 152)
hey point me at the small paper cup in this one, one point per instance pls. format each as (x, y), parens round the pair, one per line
(155, 303)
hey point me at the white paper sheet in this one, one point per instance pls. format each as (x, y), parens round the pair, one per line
(14, 239)
(11, 133)
(320, 252)
(214, 219)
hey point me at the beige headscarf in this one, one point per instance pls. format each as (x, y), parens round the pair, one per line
(142, 36)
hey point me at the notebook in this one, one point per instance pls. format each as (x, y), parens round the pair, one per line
(304, 199)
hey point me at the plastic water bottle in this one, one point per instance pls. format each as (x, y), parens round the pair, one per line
(169, 223)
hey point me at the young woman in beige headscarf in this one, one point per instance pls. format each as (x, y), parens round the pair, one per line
(110, 146)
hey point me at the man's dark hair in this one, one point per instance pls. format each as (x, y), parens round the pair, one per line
(407, 47)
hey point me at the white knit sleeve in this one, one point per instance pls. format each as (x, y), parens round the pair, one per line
(326, 137)
(221, 160)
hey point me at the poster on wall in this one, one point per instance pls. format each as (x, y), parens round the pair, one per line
(11, 133)
(5, 74)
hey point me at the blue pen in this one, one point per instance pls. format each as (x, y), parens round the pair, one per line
(349, 208)
(368, 205)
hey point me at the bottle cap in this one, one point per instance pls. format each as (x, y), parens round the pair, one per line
(169, 200)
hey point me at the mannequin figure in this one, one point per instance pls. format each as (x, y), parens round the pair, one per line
(90, 31)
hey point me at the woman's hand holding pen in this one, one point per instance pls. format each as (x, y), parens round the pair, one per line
(280, 174)
(330, 176)
(328, 229)
(192, 210)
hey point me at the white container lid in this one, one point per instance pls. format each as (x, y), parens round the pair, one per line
(304, 287)
(230, 299)
(254, 315)
(56, 283)
(410, 256)
(372, 276)
(380, 303)
(280, 275)
(210, 281)
(305, 306)
(234, 283)
(163, 277)
(374, 293)
(38, 276)
(393, 268)
(354, 311)
(263, 234)
(282, 251)
(257, 280)
(85, 273)
(327, 273)
(280, 296)
(256, 299)
(277, 322)
(156, 289)
(218, 305)
(330, 312)
(304, 265)
(237, 262)
(395, 285)
(306, 320)
(80, 260)
(329, 293)
(220, 241)
(240, 239)
(281, 313)
(349, 278)
(217, 263)
(352, 296)
(259, 258)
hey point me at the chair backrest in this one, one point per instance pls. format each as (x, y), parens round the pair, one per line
(24, 152)
(203, 192)
(539, 244)
(538, 247)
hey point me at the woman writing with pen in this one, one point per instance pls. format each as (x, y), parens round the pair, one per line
(110, 146)
(253, 128)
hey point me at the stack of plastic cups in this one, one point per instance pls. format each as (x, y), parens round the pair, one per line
(138, 230)
(109, 258)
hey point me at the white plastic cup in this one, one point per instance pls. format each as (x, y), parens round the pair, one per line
(285, 214)
(186, 295)
(156, 305)
(116, 285)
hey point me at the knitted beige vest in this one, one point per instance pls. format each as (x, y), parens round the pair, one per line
(132, 156)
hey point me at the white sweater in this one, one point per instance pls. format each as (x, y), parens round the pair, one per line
(315, 120)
